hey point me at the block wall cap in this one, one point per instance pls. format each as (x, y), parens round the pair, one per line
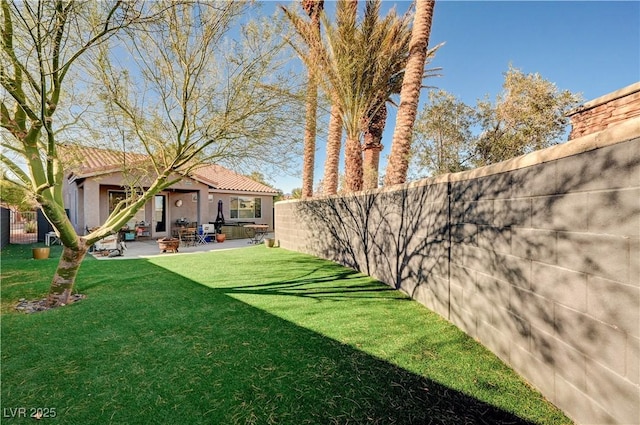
(619, 133)
(625, 91)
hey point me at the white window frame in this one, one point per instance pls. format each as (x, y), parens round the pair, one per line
(252, 208)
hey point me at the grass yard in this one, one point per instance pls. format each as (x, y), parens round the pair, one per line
(249, 336)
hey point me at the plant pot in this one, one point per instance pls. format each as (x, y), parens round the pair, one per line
(220, 237)
(168, 244)
(41, 253)
(269, 242)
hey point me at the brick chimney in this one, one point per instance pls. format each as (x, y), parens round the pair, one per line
(605, 111)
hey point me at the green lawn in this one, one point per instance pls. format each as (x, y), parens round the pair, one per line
(249, 336)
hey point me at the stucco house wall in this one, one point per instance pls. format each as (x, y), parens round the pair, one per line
(191, 200)
(88, 202)
(266, 202)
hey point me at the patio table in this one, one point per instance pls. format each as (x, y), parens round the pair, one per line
(256, 232)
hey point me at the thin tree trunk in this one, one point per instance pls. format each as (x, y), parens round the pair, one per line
(332, 160)
(410, 94)
(65, 277)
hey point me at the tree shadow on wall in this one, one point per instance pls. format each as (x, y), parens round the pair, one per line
(401, 237)
(506, 256)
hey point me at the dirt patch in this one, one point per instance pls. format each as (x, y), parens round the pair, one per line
(36, 306)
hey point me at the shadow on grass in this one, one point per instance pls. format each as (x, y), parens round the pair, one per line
(322, 287)
(158, 347)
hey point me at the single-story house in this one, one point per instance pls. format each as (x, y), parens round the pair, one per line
(95, 179)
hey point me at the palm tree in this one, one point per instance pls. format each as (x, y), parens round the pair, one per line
(351, 64)
(410, 94)
(374, 123)
(334, 145)
(313, 9)
(373, 127)
(341, 64)
(388, 41)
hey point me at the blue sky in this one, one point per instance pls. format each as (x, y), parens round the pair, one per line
(588, 47)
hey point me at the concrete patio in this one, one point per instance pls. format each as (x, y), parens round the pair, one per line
(149, 248)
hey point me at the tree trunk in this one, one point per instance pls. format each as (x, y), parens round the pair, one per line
(372, 136)
(309, 138)
(332, 160)
(73, 252)
(370, 168)
(65, 277)
(353, 164)
(313, 9)
(410, 94)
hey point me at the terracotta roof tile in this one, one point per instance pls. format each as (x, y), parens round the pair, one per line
(225, 179)
(89, 161)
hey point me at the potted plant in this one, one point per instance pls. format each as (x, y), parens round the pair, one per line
(40, 252)
(220, 237)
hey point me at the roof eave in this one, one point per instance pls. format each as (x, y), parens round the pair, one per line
(243, 192)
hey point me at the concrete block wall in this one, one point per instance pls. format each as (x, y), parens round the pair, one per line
(537, 257)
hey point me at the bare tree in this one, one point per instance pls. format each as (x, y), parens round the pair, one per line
(192, 97)
(41, 41)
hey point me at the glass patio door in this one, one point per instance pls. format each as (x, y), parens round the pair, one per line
(160, 215)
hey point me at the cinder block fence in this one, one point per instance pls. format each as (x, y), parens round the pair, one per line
(537, 257)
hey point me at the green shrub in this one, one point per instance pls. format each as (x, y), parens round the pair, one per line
(30, 227)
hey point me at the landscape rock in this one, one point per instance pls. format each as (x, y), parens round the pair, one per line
(35, 306)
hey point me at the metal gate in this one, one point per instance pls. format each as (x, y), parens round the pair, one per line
(23, 227)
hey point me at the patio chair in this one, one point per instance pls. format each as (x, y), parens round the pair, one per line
(188, 236)
(51, 238)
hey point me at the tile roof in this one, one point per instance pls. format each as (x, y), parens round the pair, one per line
(90, 161)
(225, 179)
(84, 161)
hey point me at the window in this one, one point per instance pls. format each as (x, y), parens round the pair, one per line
(115, 197)
(242, 207)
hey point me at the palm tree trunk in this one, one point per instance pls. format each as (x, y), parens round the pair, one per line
(372, 146)
(313, 9)
(332, 160)
(309, 138)
(370, 167)
(353, 164)
(410, 94)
